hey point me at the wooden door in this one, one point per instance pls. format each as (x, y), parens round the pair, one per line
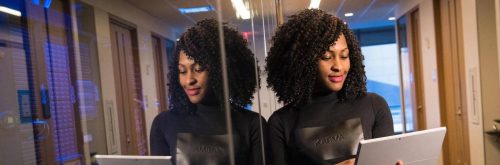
(159, 52)
(128, 89)
(413, 113)
(451, 85)
(417, 67)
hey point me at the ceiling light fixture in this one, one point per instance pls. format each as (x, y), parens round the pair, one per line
(198, 9)
(10, 11)
(391, 18)
(241, 9)
(314, 4)
(349, 14)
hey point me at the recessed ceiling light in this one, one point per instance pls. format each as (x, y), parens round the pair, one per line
(349, 14)
(10, 11)
(241, 8)
(314, 4)
(391, 18)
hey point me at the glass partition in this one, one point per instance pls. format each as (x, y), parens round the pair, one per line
(255, 21)
(86, 77)
(81, 78)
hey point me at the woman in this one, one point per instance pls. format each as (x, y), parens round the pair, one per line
(193, 131)
(315, 66)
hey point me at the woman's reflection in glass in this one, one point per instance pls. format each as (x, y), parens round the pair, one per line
(193, 131)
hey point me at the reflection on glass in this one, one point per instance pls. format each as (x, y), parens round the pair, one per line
(83, 77)
(17, 136)
(193, 131)
(88, 81)
(407, 80)
(257, 30)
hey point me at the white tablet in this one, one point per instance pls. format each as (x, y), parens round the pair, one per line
(416, 148)
(132, 160)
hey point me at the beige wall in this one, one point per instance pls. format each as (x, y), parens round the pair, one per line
(471, 59)
(490, 84)
(497, 21)
(428, 49)
(145, 24)
(106, 71)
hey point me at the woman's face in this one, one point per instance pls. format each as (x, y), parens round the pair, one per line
(193, 78)
(334, 65)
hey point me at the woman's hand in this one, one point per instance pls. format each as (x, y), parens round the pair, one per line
(347, 162)
(351, 162)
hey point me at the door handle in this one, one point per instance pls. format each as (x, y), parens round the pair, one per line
(45, 100)
(459, 111)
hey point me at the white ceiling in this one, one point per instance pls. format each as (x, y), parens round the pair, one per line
(367, 13)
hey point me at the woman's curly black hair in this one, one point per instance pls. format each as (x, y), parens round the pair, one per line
(298, 45)
(201, 43)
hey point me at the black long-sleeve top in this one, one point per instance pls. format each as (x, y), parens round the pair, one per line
(200, 136)
(324, 131)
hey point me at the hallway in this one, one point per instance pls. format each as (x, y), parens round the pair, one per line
(87, 77)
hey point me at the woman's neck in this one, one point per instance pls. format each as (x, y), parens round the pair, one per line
(210, 99)
(321, 90)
